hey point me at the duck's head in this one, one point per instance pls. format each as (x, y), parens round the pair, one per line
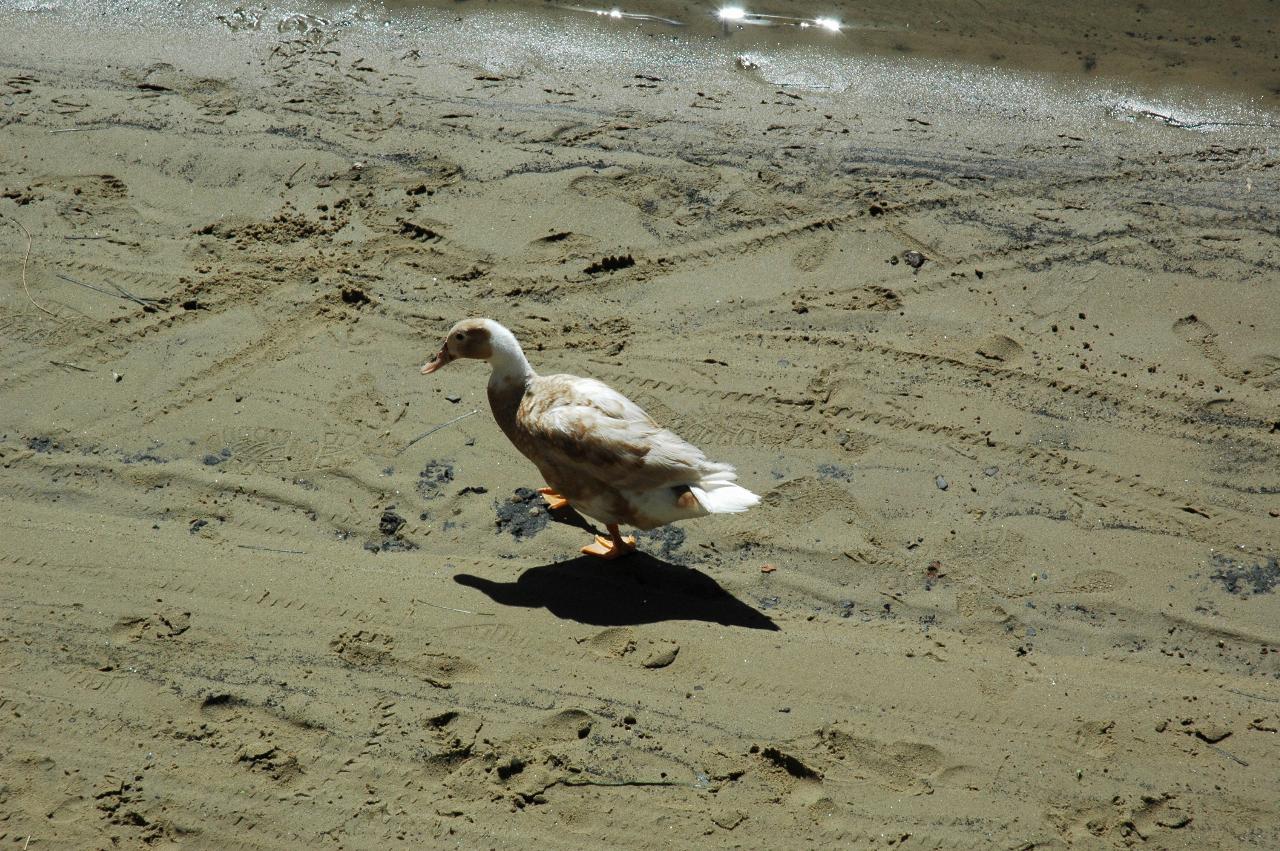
(470, 338)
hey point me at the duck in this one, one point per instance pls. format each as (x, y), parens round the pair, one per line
(596, 449)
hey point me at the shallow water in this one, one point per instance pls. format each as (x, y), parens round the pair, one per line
(1232, 48)
(996, 60)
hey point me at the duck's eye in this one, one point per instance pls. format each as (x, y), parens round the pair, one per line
(459, 336)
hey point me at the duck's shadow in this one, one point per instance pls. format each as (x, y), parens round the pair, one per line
(633, 590)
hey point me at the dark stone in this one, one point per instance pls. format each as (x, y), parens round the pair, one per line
(390, 522)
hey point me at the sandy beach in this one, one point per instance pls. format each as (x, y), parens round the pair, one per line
(987, 316)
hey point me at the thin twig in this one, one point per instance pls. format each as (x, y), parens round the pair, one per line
(288, 181)
(25, 257)
(1254, 696)
(435, 429)
(624, 783)
(86, 286)
(271, 549)
(74, 129)
(1226, 753)
(70, 365)
(143, 300)
(121, 292)
(84, 237)
(452, 609)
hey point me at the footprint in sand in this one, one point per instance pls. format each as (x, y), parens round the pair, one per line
(623, 643)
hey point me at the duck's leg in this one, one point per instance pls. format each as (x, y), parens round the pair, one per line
(554, 500)
(614, 546)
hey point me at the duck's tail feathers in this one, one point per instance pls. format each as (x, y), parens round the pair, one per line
(718, 494)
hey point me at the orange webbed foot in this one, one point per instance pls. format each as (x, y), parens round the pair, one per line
(615, 546)
(554, 500)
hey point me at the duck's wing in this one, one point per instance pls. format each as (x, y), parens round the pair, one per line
(583, 425)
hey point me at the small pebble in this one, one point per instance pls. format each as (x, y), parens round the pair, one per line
(454, 398)
(941, 483)
(767, 568)
(991, 471)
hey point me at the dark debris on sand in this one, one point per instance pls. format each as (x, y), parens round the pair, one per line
(389, 525)
(835, 471)
(41, 444)
(212, 459)
(523, 514)
(671, 539)
(390, 522)
(1246, 580)
(433, 478)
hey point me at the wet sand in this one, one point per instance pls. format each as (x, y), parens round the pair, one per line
(997, 348)
(1231, 47)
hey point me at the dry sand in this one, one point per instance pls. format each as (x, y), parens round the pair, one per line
(1023, 501)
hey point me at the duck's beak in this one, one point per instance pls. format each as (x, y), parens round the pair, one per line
(441, 359)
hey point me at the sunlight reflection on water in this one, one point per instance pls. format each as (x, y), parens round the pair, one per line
(815, 55)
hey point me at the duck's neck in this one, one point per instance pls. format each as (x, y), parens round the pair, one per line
(511, 369)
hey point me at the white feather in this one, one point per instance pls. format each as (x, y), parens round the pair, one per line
(719, 495)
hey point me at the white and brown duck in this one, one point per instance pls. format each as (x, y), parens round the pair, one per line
(597, 450)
